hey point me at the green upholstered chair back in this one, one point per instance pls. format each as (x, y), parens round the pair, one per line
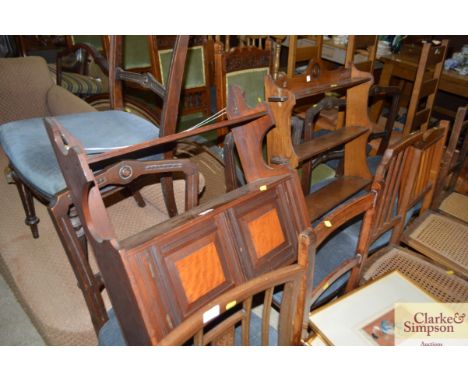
(136, 52)
(95, 41)
(251, 82)
(194, 75)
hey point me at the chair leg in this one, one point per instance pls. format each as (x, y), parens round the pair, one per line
(167, 187)
(71, 234)
(28, 204)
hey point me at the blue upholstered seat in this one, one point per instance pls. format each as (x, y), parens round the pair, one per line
(111, 334)
(28, 148)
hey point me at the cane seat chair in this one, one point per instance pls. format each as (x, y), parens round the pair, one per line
(439, 280)
(181, 265)
(441, 237)
(445, 198)
(387, 214)
(35, 169)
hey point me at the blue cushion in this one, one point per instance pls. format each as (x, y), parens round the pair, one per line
(111, 334)
(28, 148)
(373, 163)
(255, 333)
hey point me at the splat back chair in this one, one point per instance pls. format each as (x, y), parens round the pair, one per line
(36, 171)
(346, 235)
(440, 237)
(244, 66)
(445, 198)
(417, 185)
(385, 216)
(159, 277)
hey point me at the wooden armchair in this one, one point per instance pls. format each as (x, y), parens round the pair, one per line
(158, 278)
(37, 173)
(229, 319)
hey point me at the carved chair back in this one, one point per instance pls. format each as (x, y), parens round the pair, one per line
(245, 66)
(426, 84)
(159, 277)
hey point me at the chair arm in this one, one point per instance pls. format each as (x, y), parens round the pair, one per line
(89, 50)
(344, 267)
(60, 102)
(127, 171)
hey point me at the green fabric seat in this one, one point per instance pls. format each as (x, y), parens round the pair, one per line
(28, 148)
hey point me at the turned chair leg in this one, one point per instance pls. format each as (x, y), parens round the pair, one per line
(28, 204)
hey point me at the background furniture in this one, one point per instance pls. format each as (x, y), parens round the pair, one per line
(426, 74)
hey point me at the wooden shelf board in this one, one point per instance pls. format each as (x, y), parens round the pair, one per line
(327, 142)
(328, 197)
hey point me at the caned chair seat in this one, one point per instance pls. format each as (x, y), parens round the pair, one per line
(441, 238)
(28, 148)
(80, 84)
(437, 281)
(456, 205)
